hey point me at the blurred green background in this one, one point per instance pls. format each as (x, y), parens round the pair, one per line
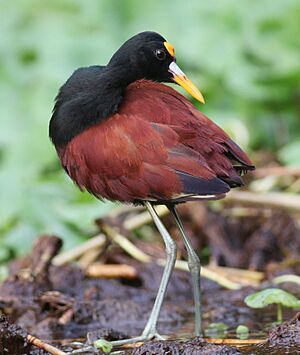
(243, 55)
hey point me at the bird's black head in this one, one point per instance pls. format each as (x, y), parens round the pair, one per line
(148, 55)
(145, 56)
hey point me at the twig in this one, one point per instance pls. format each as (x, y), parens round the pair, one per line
(144, 218)
(125, 244)
(139, 255)
(247, 274)
(287, 278)
(99, 240)
(205, 272)
(111, 271)
(75, 253)
(89, 258)
(235, 342)
(277, 171)
(272, 199)
(47, 347)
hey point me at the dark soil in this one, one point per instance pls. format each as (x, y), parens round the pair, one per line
(58, 303)
(243, 238)
(287, 333)
(13, 340)
(192, 347)
(282, 339)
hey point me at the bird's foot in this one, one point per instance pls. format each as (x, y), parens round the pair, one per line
(148, 335)
(144, 337)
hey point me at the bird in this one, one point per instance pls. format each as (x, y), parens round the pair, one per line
(123, 135)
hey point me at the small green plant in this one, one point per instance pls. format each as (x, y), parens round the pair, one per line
(276, 296)
(103, 345)
(214, 329)
(242, 331)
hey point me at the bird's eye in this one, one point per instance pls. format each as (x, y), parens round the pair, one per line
(160, 54)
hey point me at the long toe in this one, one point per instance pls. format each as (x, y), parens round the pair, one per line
(141, 338)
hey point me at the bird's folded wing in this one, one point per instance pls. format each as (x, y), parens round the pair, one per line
(130, 159)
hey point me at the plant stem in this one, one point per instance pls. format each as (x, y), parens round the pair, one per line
(279, 312)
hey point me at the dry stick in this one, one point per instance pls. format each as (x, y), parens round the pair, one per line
(47, 347)
(99, 241)
(272, 199)
(139, 255)
(111, 271)
(89, 258)
(144, 218)
(235, 342)
(248, 274)
(75, 253)
(126, 244)
(277, 171)
(205, 272)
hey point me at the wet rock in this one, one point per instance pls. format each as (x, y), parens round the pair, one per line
(193, 347)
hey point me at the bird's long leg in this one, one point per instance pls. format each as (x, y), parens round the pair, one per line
(150, 330)
(194, 266)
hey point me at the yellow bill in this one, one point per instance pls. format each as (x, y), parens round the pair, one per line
(181, 79)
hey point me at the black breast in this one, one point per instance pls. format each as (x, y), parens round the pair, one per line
(81, 102)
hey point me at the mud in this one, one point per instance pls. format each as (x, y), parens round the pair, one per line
(282, 339)
(192, 347)
(13, 340)
(241, 237)
(58, 303)
(287, 333)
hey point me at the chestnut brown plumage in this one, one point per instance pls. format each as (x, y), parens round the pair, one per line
(122, 135)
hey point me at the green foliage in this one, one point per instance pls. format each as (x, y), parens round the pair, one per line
(243, 56)
(270, 296)
(103, 345)
(242, 331)
(216, 329)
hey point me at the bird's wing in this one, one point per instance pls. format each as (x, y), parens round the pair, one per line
(128, 158)
(163, 105)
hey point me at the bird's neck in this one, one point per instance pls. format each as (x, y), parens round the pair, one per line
(118, 76)
(95, 101)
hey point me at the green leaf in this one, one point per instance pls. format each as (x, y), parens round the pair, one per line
(103, 345)
(216, 328)
(242, 331)
(269, 296)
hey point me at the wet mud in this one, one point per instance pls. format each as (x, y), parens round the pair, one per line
(61, 303)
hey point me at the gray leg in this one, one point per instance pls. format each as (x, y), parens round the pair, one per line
(194, 266)
(171, 251)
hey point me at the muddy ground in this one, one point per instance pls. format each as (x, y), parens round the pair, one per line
(61, 304)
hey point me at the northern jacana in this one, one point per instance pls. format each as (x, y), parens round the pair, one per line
(123, 136)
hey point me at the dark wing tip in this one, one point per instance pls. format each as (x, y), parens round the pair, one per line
(200, 186)
(236, 153)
